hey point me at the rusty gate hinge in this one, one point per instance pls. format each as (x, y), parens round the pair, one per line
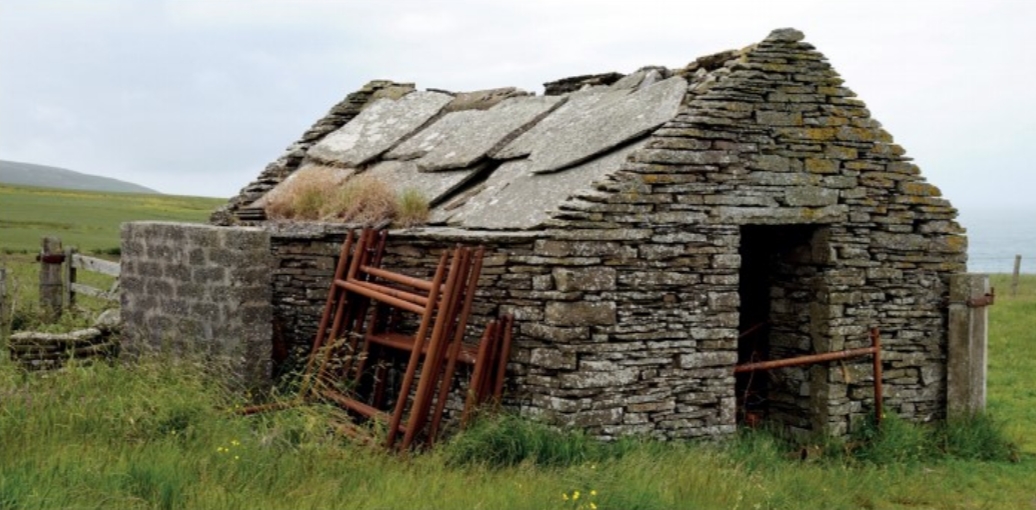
(986, 300)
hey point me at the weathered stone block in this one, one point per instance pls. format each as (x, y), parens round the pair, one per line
(708, 359)
(552, 358)
(581, 313)
(608, 379)
(776, 118)
(555, 334)
(770, 163)
(821, 166)
(810, 196)
(584, 279)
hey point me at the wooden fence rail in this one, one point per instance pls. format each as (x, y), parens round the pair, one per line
(76, 262)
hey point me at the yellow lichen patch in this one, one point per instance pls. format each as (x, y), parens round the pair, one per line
(856, 134)
(839, 152)
(949, 244)
(923, 189)
(821, 166)
(920, 200)
(820, 134)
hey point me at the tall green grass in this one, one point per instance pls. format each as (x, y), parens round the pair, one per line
(1012, 359)
(163, 434)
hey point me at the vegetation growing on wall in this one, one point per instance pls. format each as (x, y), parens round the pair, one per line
(329, 194)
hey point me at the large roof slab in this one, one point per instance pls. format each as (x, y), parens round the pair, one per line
(379, 127)
(516, 197)
(461, 138)
(595, 121)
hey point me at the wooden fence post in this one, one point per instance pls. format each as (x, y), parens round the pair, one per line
(70, 277)
(51, 288)
(1014, 278)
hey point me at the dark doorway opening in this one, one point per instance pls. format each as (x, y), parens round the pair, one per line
(778, 283)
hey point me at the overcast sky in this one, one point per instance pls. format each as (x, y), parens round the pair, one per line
(197, 96)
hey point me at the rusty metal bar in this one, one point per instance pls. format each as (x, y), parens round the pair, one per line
(874, 349)
(342, 305)
(393, 292)
(478, 372)
(752, 330)
(409, 281)
(803, 360)
(505, 353)
(419, 341)
(358, 312)
(379, 296)
(455, 348)
(329, 306)
(436, 344)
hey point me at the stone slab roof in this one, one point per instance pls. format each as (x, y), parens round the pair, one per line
(505, 159)
(494, 159)
(500, 159)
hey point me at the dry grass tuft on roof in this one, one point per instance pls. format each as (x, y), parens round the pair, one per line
(324, 194)
(413, 208)
(303, 196)
(361, 199)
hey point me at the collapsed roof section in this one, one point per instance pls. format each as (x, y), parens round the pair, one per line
(496, 159)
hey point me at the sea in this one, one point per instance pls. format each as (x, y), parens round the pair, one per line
(996, 235)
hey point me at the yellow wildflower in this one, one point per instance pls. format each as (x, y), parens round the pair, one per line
(575, 495)
(593, 492)
(564, 496)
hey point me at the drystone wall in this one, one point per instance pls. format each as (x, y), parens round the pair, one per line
(200, 290)
(776, 140)
(612, 335)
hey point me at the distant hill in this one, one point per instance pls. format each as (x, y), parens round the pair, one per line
(28, 174)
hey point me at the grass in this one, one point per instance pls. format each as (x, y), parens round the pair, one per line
(412, 208)
(87, 220)
(161, 434)
(1012, 359)
(319, 193)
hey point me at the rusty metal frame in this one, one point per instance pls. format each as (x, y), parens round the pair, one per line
(361, 295)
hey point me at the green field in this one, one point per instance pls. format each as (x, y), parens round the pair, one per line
(163, 434)
(87, 220)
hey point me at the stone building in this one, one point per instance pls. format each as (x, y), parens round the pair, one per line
(636, 225)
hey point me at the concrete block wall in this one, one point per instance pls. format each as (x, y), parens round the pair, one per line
(199, 289)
